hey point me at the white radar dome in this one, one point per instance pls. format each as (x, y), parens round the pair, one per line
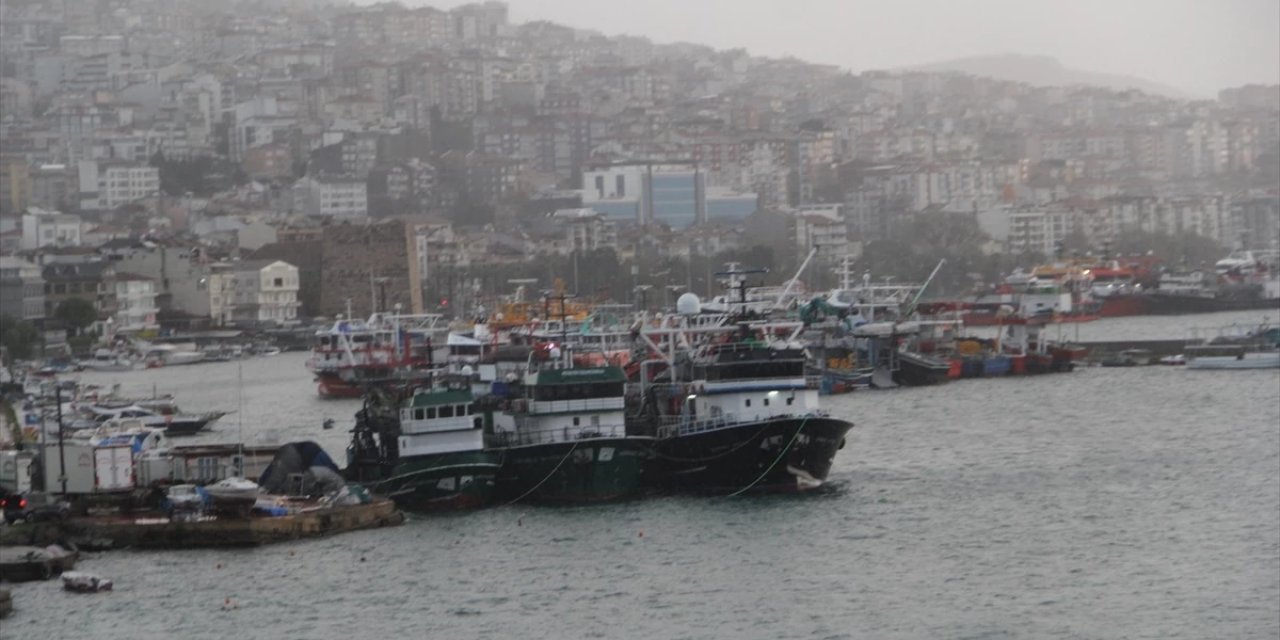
(688, 304)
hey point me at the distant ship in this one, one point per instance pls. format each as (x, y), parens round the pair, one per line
(349, 356)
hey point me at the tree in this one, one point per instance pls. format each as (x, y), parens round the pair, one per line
(76, 314)
(19, 337)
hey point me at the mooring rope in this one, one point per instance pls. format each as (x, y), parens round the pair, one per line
(775, 460)
(716, 456)
(548, 476)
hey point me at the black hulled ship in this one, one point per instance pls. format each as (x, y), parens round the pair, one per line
(731, 409)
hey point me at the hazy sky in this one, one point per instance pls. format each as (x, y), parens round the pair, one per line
(1199, 46)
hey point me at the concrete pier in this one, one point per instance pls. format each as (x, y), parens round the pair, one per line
(1099, 350)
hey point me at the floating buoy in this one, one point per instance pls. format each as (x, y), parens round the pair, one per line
(291, 553)
(361, 558)
(641, 534)
(228, 604)
(218, 566)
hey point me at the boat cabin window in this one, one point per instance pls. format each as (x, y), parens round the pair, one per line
(419, 414)
(431, 413)
(766, 402)
(790, 400)
(748, 402)
(577, 421)
(446, 411)
(578, 391)
(789, 368)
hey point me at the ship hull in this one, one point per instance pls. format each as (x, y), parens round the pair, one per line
(1123, 305)
(775, 455)
(331, 386)
(581, 471)
(1169, 305)
(918, 371)
(187, 427)
(441, 482)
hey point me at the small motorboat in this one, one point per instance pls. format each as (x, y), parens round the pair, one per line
(1178, 359)
(233, 496)
(184, 499)
(82, 582)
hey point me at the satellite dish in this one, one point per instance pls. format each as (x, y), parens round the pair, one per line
(688, 304)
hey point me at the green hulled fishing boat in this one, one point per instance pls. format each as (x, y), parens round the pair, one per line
(565, 440)
(424, 448)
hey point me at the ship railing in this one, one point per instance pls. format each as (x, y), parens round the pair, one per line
(685, 425)
(585, 404)
(559, 434)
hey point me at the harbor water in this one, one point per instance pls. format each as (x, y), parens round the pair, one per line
(1104, 503)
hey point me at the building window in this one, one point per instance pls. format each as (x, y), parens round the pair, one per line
(279, 282)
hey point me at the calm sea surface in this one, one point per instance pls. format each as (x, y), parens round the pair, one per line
(1105, 503)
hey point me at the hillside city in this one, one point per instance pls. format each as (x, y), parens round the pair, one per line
(175, 166)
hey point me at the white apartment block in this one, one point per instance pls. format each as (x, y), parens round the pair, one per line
(49, 229)
(105, 185)
(135, 303)
(265, 292)
(824, 227)
(586, 230)
(332, 197)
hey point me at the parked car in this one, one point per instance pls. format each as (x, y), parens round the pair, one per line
(34, 507)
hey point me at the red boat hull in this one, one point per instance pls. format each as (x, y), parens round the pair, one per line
(1120, 306)
(335, 388)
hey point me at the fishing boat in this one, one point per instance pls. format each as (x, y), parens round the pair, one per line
(1243, 280)
(730, 407)
(1235, 347)
(424, 447)
(349, 355)
(564, 439)
(878, 323)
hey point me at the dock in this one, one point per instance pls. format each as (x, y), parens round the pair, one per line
(154, 531)
(150, 530)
